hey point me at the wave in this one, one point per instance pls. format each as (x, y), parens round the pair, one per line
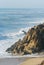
(12, 35)
(11, 39)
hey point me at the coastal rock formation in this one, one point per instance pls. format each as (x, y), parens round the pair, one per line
(42, 63)
(32, 42)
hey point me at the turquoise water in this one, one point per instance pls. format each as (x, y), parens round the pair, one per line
(13, 21)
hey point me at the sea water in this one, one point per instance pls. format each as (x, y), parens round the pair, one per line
(13, 22)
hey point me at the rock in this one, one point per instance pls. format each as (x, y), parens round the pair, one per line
(24, 32)
(42, 63)
(32, 42)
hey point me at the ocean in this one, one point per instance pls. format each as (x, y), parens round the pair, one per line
(13, 22)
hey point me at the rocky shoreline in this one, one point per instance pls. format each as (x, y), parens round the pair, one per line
(32, 42)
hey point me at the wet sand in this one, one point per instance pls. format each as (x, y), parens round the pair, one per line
(22, 60)
(11, 61)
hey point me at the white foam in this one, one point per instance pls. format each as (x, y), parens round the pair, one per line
(37, 21)
(14, 34)
(13, 37)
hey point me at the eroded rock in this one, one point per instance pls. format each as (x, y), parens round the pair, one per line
(32, 42)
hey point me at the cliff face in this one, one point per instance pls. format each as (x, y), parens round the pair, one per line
(32, 42)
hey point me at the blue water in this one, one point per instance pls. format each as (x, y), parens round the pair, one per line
(13, 21)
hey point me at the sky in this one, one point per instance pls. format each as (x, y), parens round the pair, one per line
(21, 3)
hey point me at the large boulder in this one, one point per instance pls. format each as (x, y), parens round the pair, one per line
(32, 42)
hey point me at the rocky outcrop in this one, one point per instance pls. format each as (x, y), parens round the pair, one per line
(32, 42)
(42, 63)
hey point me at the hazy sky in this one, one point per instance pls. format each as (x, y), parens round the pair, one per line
(21, 3)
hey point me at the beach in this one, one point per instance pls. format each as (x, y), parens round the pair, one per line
(33, 61)
(21, 61)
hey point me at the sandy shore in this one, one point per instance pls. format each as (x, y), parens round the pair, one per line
(33, 61)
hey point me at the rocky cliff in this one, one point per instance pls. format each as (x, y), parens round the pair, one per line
(32, 42)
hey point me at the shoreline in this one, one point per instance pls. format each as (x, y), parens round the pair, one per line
(21, 61)
(11, 61)
(24, 56)
(36, 55)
